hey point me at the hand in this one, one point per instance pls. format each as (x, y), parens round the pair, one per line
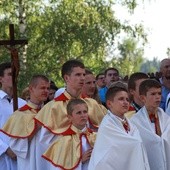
(11, 154)
(86, 156)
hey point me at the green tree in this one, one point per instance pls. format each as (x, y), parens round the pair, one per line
(150, 66)
(63, 29)
(131, 56)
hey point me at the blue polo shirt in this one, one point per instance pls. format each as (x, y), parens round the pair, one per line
(102, 94)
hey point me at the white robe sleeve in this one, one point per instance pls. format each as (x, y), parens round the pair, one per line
(20, 147)
(3, 144)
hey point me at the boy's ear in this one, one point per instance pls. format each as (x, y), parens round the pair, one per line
(108, 103)
(66, 77)
(131, 91)
(142, 97)
(0, 79)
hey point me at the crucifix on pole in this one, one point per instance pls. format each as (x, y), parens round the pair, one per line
(10, 45)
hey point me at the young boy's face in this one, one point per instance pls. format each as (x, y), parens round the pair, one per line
(79, 116)
(152, 98)
(120, 104)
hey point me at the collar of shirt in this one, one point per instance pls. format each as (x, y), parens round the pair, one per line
(117, 117)
(35, 106)
(3, 94)
(136, 106)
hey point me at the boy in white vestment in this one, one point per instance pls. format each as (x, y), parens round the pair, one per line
(72, 149)
(118, 145)
(154, 126)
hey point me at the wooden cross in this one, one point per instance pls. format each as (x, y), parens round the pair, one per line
(14, 60)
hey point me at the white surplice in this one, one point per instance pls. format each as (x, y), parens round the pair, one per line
(26, 153)
(44, 140)
(158, 148)
(6, 109)
(115, 149)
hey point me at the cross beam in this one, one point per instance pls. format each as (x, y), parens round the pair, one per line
(14, 60)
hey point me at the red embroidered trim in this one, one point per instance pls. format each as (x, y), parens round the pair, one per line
(131, 108)
(62, 97)
(25, 107)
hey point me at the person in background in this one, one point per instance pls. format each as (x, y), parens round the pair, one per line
(52, 90)
(111, 75)
(76, 143)
(8, 159)
(89, 88)
(133, 87)
(25, 94)
(154, 125)
(118, 144)
(100, 80)
(165, 81)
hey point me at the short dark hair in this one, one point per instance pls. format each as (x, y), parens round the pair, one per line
(134, 77)
(35, 78)
(100, 74)
(69, 65)
(72, 103)
(88, 71)
(148, 84)
(3, 67)
(114, 89)
(111, 68)
(53, 86)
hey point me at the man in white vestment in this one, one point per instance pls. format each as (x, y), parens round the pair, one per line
(21, 126)
(7, 156)
(118, 145)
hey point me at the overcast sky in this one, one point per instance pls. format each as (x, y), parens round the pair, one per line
(154, 16)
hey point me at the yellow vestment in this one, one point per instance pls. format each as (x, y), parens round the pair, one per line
(21, 124)
(53, 115)
(66, 151)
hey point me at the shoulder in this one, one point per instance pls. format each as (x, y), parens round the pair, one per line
(21, 102)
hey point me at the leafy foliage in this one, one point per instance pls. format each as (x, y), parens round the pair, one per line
(58, 30)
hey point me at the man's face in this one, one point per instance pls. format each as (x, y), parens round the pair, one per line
(111, 76)
(165, 68)
(79, 116)
(40, 92)
(89, 85)
(76, 78)
(100, 81)
(6, 79)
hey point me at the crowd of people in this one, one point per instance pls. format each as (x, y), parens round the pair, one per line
(94, 122)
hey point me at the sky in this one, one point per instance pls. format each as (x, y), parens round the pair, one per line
(154, 15)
